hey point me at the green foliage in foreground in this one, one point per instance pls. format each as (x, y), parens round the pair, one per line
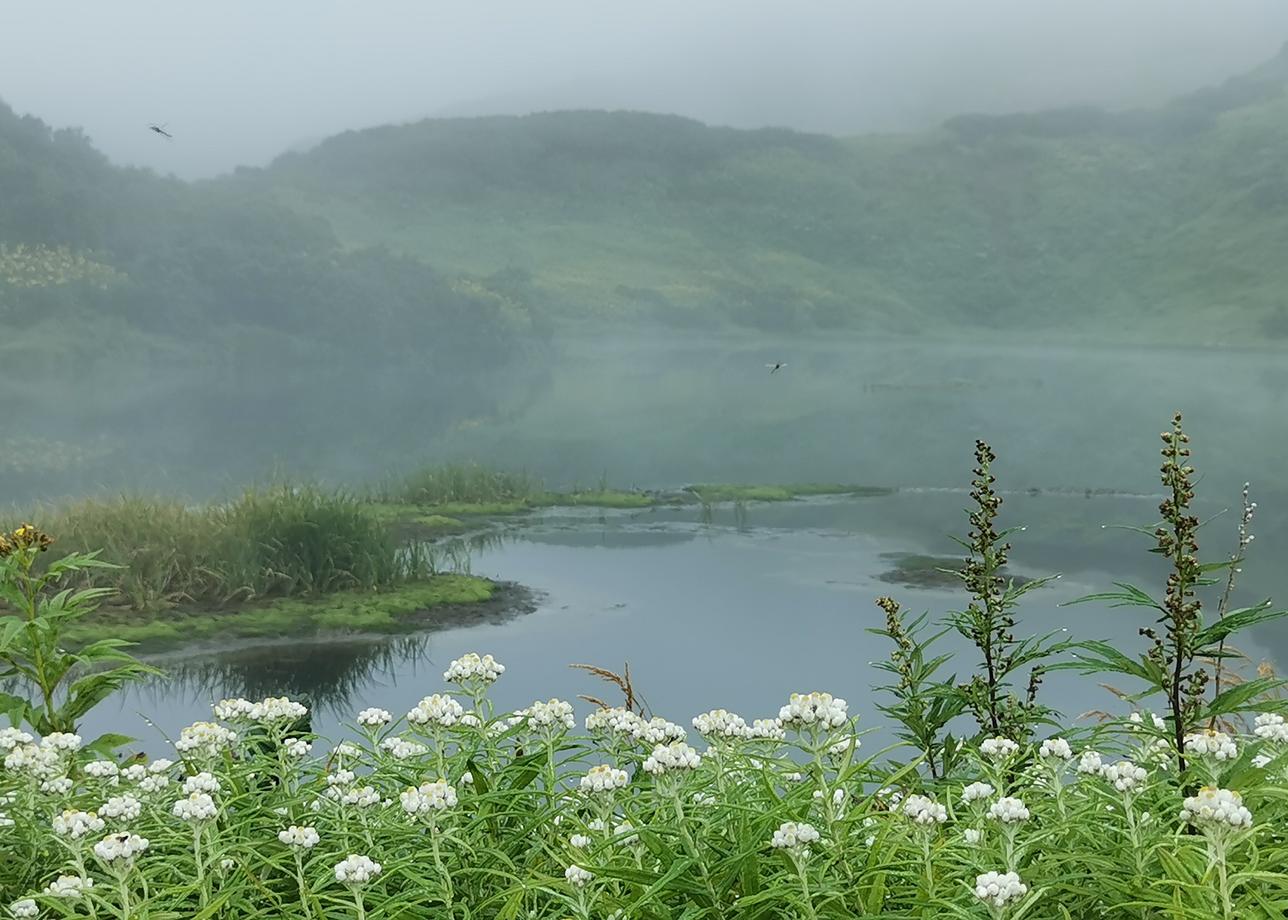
(470, 814)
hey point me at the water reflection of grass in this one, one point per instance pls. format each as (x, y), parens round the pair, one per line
(917, 571)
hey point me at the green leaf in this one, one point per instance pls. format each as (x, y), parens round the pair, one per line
(1242, 697)
(108, 743)
(1236, 620)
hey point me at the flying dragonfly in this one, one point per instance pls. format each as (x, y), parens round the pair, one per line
(160, 129)
(775, 367)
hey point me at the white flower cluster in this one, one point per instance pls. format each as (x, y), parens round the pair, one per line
(428, 797)
(63, 742)
(355, 871)
(267, 711)
(1090, 763)
(998, 748)
(1123, 775)
(1137, 720)
(771, 730)
(668, 758)
(361, 796)
(104, 770)
(401, 748)
(604, 778)
(24, 909)
(77, 824)
(997, 889)
(625, 828)
(611, 721)
(550, 714)
(205, 739)
(977, 791)
(808, 709)
(794, 836)
(297, 747)
(1055, 749)
(1270, 726)
(471, 668)
(374, 718)
(42, 761)
(201, 782)
(1210, 743)
(842, 747)
(436, 710)
(657, 731)
(68, 886)
(925, 811)
(721, 723)
(197, 808)
(577, 876)
(120, 848)
(124, 808)
(972, 836)
(1216, 810)
(300, 838)
(1008, 810)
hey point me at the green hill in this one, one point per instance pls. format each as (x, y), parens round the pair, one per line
(1165, 224)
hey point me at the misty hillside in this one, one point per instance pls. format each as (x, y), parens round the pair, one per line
(144, 267)
(1165, 224)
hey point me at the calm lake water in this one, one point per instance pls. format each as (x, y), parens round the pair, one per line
(734, 612)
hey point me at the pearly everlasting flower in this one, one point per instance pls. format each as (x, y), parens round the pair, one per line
(1209, 743)
(68, 886)
(997, 889)
(401, 748)
(437, 709)
(669, 758)
(1055, 749)
(625, 828)
(579, 841)
(1270, 726)
(924, 811)
(1008, 810)
(1090, 763)
(1124, 775)
(612, 721)
(11, 738)
(428, 797)
(703, 799)
(361, 796)
(195, 809)
(1216, 811)
(467, 778)
(134, 772)
(844, 746)
(1261, 760)
(159, 766)
(104, 770)
(972, 836)
(768, 730)
(120, 849)
(374, 718)
(205, 739)
(347, 749)
(976, 791)
(297, 747)
(809, 709)
(1137, 720)
(550, 714)
(201, 782)
(471, 668)
(24, 909)
(153, 783)
(36, 759)
(998, 748)
(77, 824)
(838, 796)
(276, 709)
(721, 724)
(603, 778)
(577, 876)
(63, 742)
(356, 871)
(300, 838)
(234, 710)
(121, 807)
(341, 778)
(657, 731)
(58, 785)
(793, 836)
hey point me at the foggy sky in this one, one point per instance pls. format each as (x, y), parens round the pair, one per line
(240, 81)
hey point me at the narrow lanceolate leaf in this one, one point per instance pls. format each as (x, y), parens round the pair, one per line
(1237, 620)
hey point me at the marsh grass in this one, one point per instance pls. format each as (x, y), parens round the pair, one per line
(279, 541)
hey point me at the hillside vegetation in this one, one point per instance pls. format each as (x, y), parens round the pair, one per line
(1166, 224)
